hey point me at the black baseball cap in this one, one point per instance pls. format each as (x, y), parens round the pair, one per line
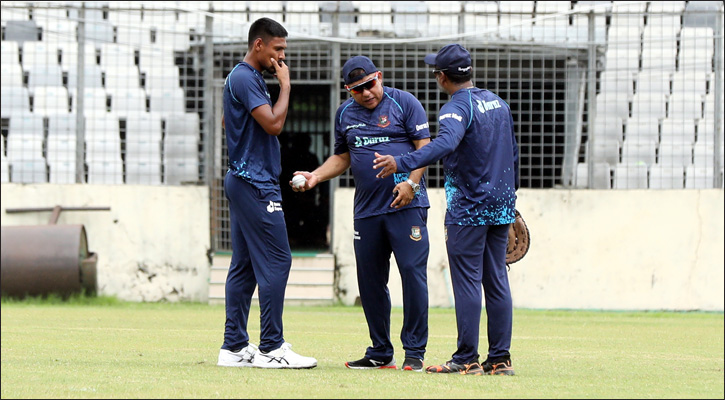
(354, 63)
(452, 58)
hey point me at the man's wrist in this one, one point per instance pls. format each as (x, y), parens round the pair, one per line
(415, 186)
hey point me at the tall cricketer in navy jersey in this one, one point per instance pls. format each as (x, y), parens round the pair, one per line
(261, 254)
(379, 118)
(478, 146)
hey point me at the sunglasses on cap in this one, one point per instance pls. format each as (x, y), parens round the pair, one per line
(357, 89)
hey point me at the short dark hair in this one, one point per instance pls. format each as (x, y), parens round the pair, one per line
(458, 79)
(266, 29)
(355, 73)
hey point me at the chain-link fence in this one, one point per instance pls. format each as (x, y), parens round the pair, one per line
(604, 95)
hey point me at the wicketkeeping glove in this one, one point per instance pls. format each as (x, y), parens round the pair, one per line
(519, 241)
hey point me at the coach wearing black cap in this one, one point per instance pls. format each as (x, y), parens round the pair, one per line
(478, 146)
(390, 215)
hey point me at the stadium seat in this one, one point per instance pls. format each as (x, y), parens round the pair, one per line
(696, 48)
(703, 153)
(302, 17)
(92, 77)
(98, 33)
(642, 128)
(129, 101)
(685, 105)
(44, 75)
(28, 171)
(133, 36)
(140, 172)
(15, 100)
(161, 78)
(613, 104)
(143, 138)
(374, 16)
(117, 56)
(443, 17)
(666, 177)
(62, 145)
(180, 170)
(672, 154)
(638, 151)
(269, 9)
(169, 100)
(580, 21)
(25, 149)
(10, 52)
(69, 55)
(106, 171)
(11, 75)
(39, 53)
(481, 16)
(552, 21)
(21, 31)
(347, 20)
(697, 177)
(678, 131)
(686, 81)
(121, 78)
(621, 82)
(630, 176)
(604, 150)
(95, 100)
(516, 20)
(649, 105)
(413, 24)
(609, 126)
(50, 100)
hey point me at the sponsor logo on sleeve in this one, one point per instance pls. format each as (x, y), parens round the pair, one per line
(450, 115)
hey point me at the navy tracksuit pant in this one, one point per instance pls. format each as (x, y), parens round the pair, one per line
(477, 256)
(261, 256)
(404, 234)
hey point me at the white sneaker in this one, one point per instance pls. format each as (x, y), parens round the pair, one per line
(283, 357)
(242, 358)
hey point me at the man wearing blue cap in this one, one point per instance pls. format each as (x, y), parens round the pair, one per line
(383, 119)
(478, 146)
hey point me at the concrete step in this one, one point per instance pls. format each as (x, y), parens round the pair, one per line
(311, 280)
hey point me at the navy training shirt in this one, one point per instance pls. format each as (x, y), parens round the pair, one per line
(477, 142)
(254, 155)
(390, 128)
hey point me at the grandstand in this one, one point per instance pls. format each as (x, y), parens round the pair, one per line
(605, 95)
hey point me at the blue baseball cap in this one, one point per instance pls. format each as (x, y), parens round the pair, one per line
(452, 58)
(354, 63)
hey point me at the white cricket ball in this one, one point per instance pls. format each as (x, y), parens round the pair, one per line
(298, 181)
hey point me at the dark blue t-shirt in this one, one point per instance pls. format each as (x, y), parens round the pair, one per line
(388, 129)
(254, 155)
(480, 155)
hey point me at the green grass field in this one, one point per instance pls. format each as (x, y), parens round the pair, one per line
(102, 348)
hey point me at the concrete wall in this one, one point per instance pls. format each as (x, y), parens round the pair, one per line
(619, 250)
(152, 245)
(615, 250)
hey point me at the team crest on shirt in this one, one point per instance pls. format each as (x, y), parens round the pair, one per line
(383, 121)
(415, 233)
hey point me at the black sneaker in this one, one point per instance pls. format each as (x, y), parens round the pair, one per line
(498, 367)
(450, 367)
(413, 364)
(369, 363)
